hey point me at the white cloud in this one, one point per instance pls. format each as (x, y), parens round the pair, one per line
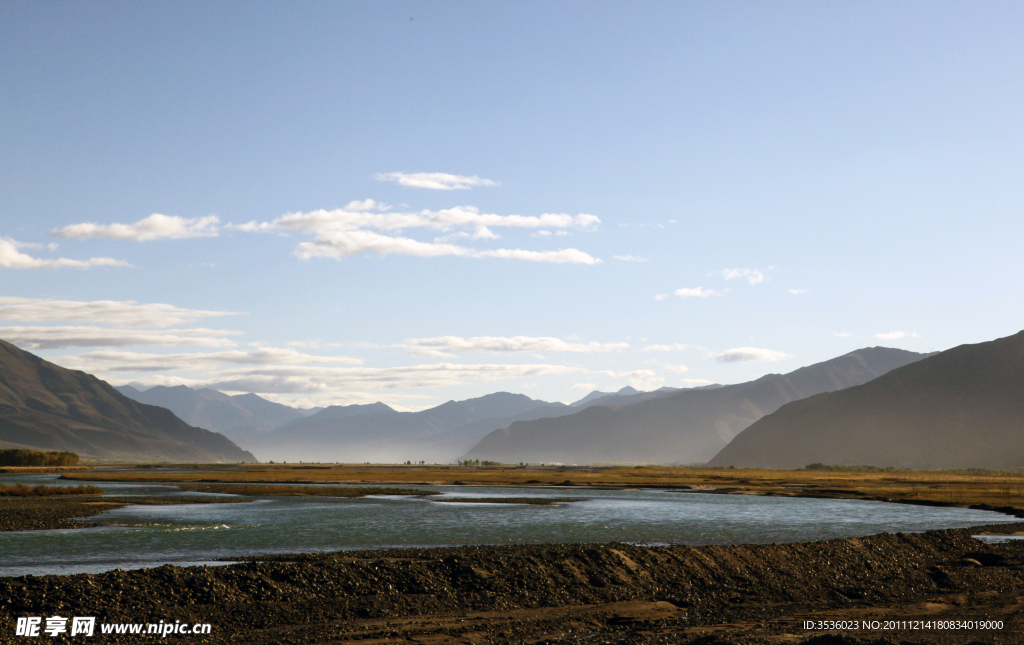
(154, 227)
(640, 379)
(630, 258)
(434, 180)
(584, 386)
(125, 313)
(345, 232)
(61, 337)
(484, 233)
(894, 335)
(676, 369)
(842, 334)
(12, 258)
(305, 344)
(753, 276)
(352, 218)
(749, 354)
(798, 292)
(660, 296)
(695, 292)
(311, 379)
(338, 244)
(891, 335)
(134, 362)
(677, 347)
(450, 345)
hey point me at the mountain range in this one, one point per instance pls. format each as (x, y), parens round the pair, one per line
(961, 408)
(681, 427)
(237, 417)
(47, 407)
(378, 433)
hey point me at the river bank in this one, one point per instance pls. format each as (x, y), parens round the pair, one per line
(594, 593)
(45, 513)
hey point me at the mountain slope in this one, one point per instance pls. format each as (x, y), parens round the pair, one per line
(377, 433)
(46, 407)
(962, 408)
(238, 417)
(688, 426)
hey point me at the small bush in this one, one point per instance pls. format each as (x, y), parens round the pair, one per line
(17, 457)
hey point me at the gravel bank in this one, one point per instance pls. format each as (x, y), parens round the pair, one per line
(594, 593)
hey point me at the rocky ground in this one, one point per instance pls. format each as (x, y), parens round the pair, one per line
(565, 593)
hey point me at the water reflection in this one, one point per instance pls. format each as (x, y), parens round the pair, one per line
(136, 536)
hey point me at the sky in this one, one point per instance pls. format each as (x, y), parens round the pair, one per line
(413, 202)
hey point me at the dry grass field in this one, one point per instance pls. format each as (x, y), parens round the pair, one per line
(986, 489)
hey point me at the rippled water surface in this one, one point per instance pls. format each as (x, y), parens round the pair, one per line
(141, 536)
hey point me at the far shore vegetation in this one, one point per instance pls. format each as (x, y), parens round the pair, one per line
(18, 457)
(994, 490)
(21, 490)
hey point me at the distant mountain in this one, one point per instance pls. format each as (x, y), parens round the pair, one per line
(239, 417)
(686, 426)
(47, 407)
(378, 433)
(629, 396)
(597, 394)
(962, 408)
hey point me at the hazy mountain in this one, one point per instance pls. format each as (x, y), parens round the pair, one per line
(378, 433)
(687, 426)
(962, 408)
(629, 396)
(597, 394)
(239, 417)
(46, 407)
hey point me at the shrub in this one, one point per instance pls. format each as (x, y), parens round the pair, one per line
(16, 457)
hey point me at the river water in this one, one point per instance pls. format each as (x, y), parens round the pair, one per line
(146, 536)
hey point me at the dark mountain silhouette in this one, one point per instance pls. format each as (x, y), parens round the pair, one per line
(962, 408)
(377, 433)
(47, 407)
(238, 417)
(687, 426)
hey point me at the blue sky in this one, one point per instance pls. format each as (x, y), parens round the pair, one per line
(331, 203)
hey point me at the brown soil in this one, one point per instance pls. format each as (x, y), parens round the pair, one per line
(614, 593)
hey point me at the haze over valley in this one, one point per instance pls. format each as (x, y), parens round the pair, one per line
(876, 406)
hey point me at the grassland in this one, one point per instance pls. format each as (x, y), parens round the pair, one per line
(993, 490)
(21, 490)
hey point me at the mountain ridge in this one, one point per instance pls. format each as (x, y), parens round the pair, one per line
(961, 408)
(687, 426)
(47, 407)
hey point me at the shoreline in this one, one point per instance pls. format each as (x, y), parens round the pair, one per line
(583, 592)
(60, 512)
(603, 593)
